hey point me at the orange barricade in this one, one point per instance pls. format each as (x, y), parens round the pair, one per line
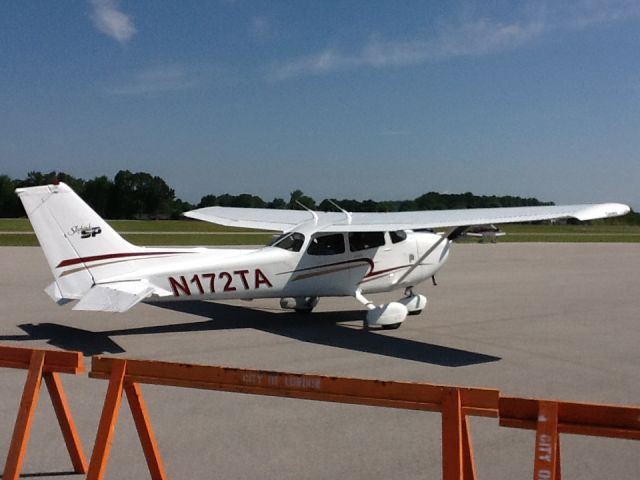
(42, 364)
(550, 418)
(454, 403)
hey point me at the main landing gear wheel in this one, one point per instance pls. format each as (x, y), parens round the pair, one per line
(299, 304)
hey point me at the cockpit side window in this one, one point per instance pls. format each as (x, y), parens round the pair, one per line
(365, 240)
(289, 241)
(398, 236)
(327, 245)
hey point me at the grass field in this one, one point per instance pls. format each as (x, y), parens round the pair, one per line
(18, 232)
(571, 233)
(123, 226)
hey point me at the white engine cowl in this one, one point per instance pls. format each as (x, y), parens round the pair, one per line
(392, 313)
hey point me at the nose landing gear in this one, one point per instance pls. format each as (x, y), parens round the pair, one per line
(414, 303)
(391, 315)
(388, 316)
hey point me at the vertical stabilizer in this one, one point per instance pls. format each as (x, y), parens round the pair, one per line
(71, 234)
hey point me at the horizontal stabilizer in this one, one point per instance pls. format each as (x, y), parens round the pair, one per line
(115, 297)
(53, 290)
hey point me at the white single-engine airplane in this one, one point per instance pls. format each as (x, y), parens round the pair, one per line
(318, 255)
(485, 233)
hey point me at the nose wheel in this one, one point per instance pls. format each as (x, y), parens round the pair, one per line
(415, 303)
(391, 326)
(387, 316)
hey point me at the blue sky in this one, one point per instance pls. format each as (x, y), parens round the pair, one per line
(346, 99)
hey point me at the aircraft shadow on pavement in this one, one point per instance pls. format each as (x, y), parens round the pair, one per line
(48, 474)
(321, 328)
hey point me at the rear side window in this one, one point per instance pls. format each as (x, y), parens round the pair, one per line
(327, 245)
(365, 240)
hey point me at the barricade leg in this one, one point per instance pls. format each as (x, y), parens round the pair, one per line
(108, 420)
(457, 454)
(547, 453)
(22, 429)
(468, 459)
(67, 425)
(145, 432)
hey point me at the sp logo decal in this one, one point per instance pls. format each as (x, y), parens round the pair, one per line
(85, 231)
(90, 232)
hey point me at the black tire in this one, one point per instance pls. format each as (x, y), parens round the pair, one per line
(392, 326)
(415, 312)
(303, 311)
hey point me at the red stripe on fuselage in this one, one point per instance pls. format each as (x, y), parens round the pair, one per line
(345, 265)
(108, 256)
(388, 270)
(346, 262)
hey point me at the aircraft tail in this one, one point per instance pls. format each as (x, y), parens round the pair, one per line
(75, 240)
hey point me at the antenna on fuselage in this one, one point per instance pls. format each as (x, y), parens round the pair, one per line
(315, 215)
(349, 216)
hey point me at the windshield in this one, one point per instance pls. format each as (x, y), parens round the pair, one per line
(398, 236)
(289, 241)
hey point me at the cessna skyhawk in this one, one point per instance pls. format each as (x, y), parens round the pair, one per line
(319, 254)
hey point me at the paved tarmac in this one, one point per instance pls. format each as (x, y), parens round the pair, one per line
(539, 320)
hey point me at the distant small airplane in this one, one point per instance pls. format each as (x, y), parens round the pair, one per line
(485, 233)
(319, 254)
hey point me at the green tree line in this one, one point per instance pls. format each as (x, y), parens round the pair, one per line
(141, 195)
(128, 196)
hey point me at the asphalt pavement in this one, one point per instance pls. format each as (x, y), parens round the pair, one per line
(546, 320)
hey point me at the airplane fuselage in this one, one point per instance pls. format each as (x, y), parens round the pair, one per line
(274, 271)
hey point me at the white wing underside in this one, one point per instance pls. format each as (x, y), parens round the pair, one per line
(285, 220)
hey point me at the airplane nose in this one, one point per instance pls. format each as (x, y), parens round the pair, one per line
(436, 246)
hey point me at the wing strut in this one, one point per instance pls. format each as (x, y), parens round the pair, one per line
(457, 232)
(349, 216)
(315, 215)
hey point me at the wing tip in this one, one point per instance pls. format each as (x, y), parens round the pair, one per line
(603, 210)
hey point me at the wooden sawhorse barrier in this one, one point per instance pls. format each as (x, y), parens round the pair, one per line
(41, 364)
(550, 418)
(454, 403)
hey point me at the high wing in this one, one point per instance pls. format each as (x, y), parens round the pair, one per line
(258, 218)
(285, 220)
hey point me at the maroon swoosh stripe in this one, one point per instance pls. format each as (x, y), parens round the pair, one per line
(317, 267)
(380, 272)
(75, 261)
(372, 272)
